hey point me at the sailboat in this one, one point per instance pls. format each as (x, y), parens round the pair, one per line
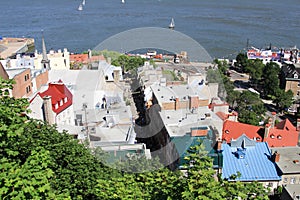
(123, 1)
(80, 7)
(83, 2)
(172, 24)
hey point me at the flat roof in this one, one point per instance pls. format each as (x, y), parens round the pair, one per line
(293, 190)
(288, 156)
(180, 122)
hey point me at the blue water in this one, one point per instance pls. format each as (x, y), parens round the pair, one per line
(222, 27)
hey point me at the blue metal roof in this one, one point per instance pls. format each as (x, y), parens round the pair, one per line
(254, 166)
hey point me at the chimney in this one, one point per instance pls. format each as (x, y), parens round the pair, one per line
(276, 157)
(193, 102)
(219, 145)
(298, 125)
(273, 119)
(48, 113)
(176, 103)
(267, 131)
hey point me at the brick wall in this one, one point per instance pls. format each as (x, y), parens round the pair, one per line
(23, 86)
(292, 85)
(41, 79)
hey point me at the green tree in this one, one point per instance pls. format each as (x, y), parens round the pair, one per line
(255, 69)
(283, 99)
(241, 62)
(128, 62)
(250, 108)
(270, 79)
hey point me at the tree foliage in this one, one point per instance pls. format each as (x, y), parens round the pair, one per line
(128, 62)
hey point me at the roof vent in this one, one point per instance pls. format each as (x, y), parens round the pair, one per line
(240, 153)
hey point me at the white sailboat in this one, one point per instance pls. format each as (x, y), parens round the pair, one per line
(123, 1)
(172, 24)
(83, 2)
(80, 7)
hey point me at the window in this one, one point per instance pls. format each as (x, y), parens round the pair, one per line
(56, 105)
(28, 89)
(295, 76)
(292, 180)
(65, 99)
(279, 137)
(26, 77)
(61, 102)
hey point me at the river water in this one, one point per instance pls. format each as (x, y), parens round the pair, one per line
(221, 27)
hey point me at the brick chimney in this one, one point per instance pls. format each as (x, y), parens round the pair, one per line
(193, 102)
(276, 157)
(267, 131)
(48, 113)
(273, 119)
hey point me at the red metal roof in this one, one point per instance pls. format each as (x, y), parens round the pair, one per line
(282, 135)
(60, 95)
(233, 130)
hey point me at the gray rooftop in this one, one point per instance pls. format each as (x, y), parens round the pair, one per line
(180, 122)
(288, 157)
(293, 190)
(14, 72)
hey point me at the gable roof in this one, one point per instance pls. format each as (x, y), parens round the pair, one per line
(283, 134)
(255, 165)
(233, 130)
(60, 96)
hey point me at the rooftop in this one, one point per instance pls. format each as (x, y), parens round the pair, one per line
(233, 130)
(61, 97)
(289, 161)
(14, 72)
(251, 160)
(293, 190)
(180, 122)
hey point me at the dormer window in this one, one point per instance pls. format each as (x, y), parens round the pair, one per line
(272, 136)
(61, 102)
(257, 139)
(65, 99)
(295, 75)
(227, 131)
(279, 137)
(240, 153)
(56, 106)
